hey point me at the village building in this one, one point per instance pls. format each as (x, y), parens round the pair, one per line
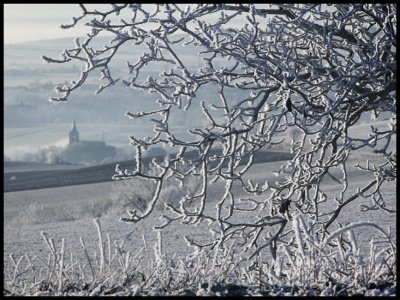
(79, 151)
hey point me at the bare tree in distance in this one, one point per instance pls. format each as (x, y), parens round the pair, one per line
(312, 69)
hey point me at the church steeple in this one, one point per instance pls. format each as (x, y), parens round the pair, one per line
(73, 134)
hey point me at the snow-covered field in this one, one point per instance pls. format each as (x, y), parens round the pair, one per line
(21, 239)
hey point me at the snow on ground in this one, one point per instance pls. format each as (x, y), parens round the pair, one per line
(20, 239)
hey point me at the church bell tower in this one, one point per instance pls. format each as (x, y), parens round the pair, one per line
(73, 134)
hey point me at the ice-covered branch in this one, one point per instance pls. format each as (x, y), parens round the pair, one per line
(295, 77)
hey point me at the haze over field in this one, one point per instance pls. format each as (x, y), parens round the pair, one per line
(32, 123)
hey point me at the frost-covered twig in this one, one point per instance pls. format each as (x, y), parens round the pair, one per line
(314, 70)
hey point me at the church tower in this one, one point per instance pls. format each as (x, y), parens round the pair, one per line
(73, 134)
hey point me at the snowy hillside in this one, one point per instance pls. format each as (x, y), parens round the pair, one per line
(22, 239)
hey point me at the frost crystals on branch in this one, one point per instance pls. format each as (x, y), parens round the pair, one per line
(309, 72)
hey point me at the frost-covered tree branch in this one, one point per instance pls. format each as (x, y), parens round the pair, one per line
(317, 69)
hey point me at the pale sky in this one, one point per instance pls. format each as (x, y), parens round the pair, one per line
(31, 22)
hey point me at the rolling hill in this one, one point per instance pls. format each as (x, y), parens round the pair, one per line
(32, 179)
